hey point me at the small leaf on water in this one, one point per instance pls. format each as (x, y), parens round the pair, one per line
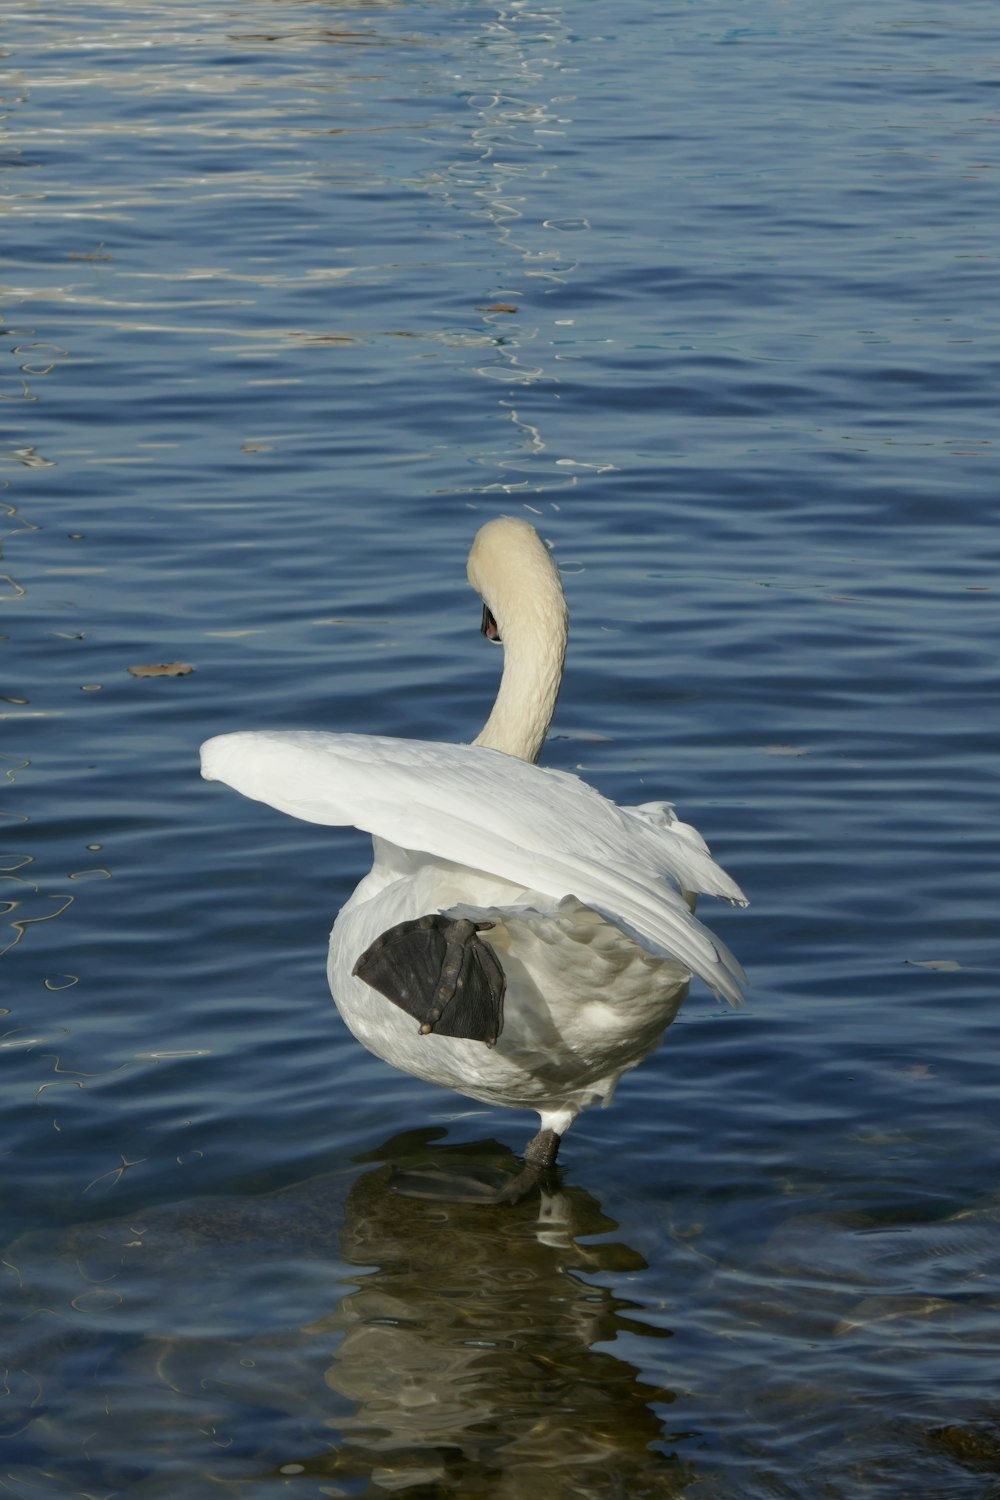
(932, 963)
(99, 254)
(166, 669)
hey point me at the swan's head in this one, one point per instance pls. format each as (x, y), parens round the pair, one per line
(512, 571)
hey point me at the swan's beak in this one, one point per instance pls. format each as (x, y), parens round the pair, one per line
(490, 628)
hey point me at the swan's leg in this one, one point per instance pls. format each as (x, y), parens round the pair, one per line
(481, 1186)
(539, 1159)
(439, 971)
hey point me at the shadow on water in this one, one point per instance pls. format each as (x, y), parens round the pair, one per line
(337, 1334)
(333, 1338)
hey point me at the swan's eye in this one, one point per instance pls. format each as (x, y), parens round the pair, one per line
(490, 628)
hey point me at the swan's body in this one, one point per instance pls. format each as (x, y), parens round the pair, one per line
(584, 904)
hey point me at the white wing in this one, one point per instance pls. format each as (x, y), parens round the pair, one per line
(543, 829)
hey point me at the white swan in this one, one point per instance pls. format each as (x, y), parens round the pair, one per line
(542, 937)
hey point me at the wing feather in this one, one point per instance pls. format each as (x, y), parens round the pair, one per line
(546, 830)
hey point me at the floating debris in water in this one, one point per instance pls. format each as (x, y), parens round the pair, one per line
(165, 669)
(99, 254)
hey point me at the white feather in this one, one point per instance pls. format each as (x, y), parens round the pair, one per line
(541, 829)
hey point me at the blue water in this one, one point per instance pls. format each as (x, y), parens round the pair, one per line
(296, 297)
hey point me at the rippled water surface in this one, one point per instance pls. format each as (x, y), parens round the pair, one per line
(296, 296)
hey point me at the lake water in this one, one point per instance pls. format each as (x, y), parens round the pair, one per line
(297, 295)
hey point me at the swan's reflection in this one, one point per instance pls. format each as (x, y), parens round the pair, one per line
(470, 1350)
(462, 1353)
(339, 1336)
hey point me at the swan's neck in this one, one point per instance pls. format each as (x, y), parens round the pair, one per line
(532, 676)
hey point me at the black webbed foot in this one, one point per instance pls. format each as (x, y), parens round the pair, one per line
(441, 1185)
(483, 1184)
(438, 971)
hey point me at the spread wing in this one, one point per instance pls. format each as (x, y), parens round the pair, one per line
(543, 829)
